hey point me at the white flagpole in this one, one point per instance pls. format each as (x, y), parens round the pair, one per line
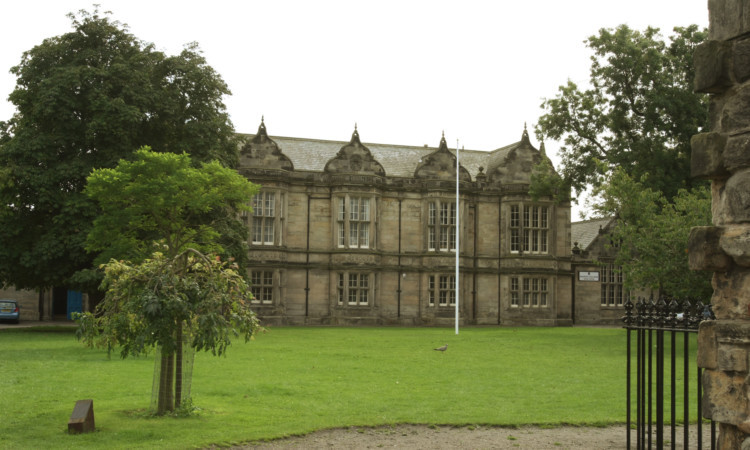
(458, 227)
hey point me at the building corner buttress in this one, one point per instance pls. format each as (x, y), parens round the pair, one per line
(722, 155)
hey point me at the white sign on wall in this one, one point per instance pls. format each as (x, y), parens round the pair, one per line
(588, 276)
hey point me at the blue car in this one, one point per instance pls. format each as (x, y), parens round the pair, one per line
(9, 310)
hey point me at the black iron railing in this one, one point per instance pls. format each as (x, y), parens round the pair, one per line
(651, 321)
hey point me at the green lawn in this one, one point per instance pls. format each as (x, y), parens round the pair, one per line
(293, 380)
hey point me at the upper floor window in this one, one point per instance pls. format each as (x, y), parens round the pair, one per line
(353, 222)
(353, 289)
(529, 229)
(515, 228)
(267, 219)
(612, 291)
(441, 226)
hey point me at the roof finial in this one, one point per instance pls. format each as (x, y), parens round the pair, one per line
(355, 135)
(262, 127)
(525, 135)
(443, 143)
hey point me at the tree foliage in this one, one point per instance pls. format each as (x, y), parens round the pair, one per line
(652, 233)
(84, 100)
(546, 182)
(146, 302)
(638, 113)
(162, 197)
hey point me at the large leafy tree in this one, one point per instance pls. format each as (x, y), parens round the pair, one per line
(638, 112)
(627, 135)
(652, 234)
(177, 294)
(84, 100)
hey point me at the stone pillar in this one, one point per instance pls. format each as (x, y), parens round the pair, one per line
(47, 305)
(722, 66)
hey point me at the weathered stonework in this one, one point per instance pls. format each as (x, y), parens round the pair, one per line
(704, 250)
(737, 153)
(707, 160)
(729, 299)
(735, 242)
(724, 396)
(722, 67)
(741, 60)
(714, 58)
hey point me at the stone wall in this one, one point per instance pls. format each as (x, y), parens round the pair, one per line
(723, 156)
(28, 302)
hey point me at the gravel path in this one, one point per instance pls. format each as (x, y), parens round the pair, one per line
(421, 437)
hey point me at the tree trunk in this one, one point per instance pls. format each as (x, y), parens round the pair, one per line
(178, 368)
(166, 379)
(170, 382)
(162, 403)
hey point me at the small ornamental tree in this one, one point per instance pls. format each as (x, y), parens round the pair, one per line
(159, 301)
(153, 299)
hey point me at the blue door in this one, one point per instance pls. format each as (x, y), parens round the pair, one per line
(75, 303)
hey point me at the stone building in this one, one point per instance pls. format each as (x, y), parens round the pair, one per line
(598, 294)
(722, 69)
(599, 291)
(353, 233)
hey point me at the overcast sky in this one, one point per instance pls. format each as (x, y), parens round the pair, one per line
(403, 71)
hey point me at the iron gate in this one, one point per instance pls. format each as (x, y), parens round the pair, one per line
(652, 323)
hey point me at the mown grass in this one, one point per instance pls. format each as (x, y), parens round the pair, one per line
(294, 380)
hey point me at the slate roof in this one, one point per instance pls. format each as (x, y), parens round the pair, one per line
(397, 160)
(585, 232)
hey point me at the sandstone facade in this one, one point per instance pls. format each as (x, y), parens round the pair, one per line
(348, 233)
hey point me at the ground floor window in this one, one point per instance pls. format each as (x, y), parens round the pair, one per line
(261, 286)
(442, 290)
(354, 289)
(514, 291)
(612, 291)
(529, 292)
